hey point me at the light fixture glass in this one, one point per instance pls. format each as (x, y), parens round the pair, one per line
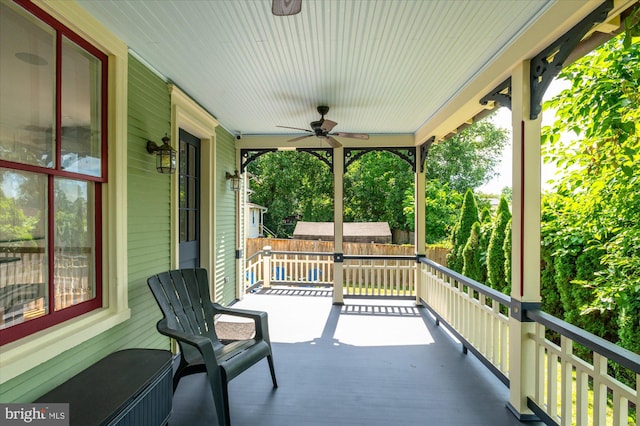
(234, 181)
(165, 155)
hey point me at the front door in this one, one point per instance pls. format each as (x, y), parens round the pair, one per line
(189, 209)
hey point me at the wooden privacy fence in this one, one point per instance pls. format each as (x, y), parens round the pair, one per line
(254, 245)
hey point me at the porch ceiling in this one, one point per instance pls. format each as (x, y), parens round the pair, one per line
(384, 67)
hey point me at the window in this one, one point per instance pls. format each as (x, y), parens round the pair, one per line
(52, 169)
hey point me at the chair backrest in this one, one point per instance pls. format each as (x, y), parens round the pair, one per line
(184, 298)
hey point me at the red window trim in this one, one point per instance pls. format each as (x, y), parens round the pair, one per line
(53, 317)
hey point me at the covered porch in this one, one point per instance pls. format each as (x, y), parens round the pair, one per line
(369, 361)
(192, 68)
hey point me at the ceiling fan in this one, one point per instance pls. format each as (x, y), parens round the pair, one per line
(286, 7)
(322, 129)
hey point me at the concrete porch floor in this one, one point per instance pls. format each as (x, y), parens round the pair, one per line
(369, 362)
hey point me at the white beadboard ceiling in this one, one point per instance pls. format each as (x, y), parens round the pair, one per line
(383, 66)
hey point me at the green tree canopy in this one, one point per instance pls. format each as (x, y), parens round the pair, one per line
(600, 191)
(374, 189)
(292, 183)
(469, 159)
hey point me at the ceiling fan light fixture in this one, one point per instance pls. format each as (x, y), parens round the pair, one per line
(286, 7)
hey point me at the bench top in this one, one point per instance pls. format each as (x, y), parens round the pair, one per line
(100, 391)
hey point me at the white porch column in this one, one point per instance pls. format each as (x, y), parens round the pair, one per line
(338, 218)
(419, 220)
(525, 255)
(240, 232)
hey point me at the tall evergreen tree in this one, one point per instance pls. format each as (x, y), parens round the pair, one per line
(508, 238)
(462, 230)
(472, 261)
(495, 252)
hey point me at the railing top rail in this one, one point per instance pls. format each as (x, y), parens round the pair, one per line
(480, 288)
(597, 344)
(377, 257)
(304, 253)
(254, 255)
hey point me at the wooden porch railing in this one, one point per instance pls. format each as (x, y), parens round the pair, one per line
(566, 386)
(363, 275)
(379, 276)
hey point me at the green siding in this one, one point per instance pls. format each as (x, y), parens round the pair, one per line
(148, 200)
(225, 255)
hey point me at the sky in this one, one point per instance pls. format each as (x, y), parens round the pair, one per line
(502, 119)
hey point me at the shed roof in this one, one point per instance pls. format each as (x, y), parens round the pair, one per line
(350, 229)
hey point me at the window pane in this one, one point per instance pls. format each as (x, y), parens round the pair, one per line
(81, 110)
(191, 194)
(23, 257)
(192, 160)
(183, 226)
(27, 67)
(74, 269)
(192, 225)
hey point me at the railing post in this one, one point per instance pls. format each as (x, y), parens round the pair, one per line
(266, 266)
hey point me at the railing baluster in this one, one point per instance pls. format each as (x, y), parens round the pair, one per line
(566, 395)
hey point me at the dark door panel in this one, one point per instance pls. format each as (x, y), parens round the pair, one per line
(189, 203)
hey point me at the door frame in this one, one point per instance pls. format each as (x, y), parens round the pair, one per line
(186, 114)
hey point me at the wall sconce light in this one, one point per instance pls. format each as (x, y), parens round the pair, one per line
(235, 180)
(165, 155)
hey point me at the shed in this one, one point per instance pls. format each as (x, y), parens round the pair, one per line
(254, 220)
(353, 232)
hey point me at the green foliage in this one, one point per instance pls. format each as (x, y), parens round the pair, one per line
(462, 230)
(469, 159)
(15, 225)
(289, 183)
(551, 301)
(472, 259)
(374, 189)
(495, 251)
(594, 231)
(508, 239)
(442, 209)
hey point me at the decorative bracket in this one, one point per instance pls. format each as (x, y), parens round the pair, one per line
(249, 155)
(548, 63)
(424, 151)
(501, 94)
(407, 154)
(323, 154)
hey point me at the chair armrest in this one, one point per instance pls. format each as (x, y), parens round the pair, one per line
(203, 344)
(259, 317)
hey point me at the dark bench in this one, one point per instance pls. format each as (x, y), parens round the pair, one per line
(128, 387)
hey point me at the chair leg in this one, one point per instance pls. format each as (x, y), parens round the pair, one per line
(220, 397)
(225, 397)
(273, 371)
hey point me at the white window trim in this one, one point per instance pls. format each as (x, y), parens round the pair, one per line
(24, 354)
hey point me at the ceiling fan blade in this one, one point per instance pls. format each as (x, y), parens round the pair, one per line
(295, 128)
(332, 142)
(363, 136)
(299, 138)
(328, 125)
(286, 7)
